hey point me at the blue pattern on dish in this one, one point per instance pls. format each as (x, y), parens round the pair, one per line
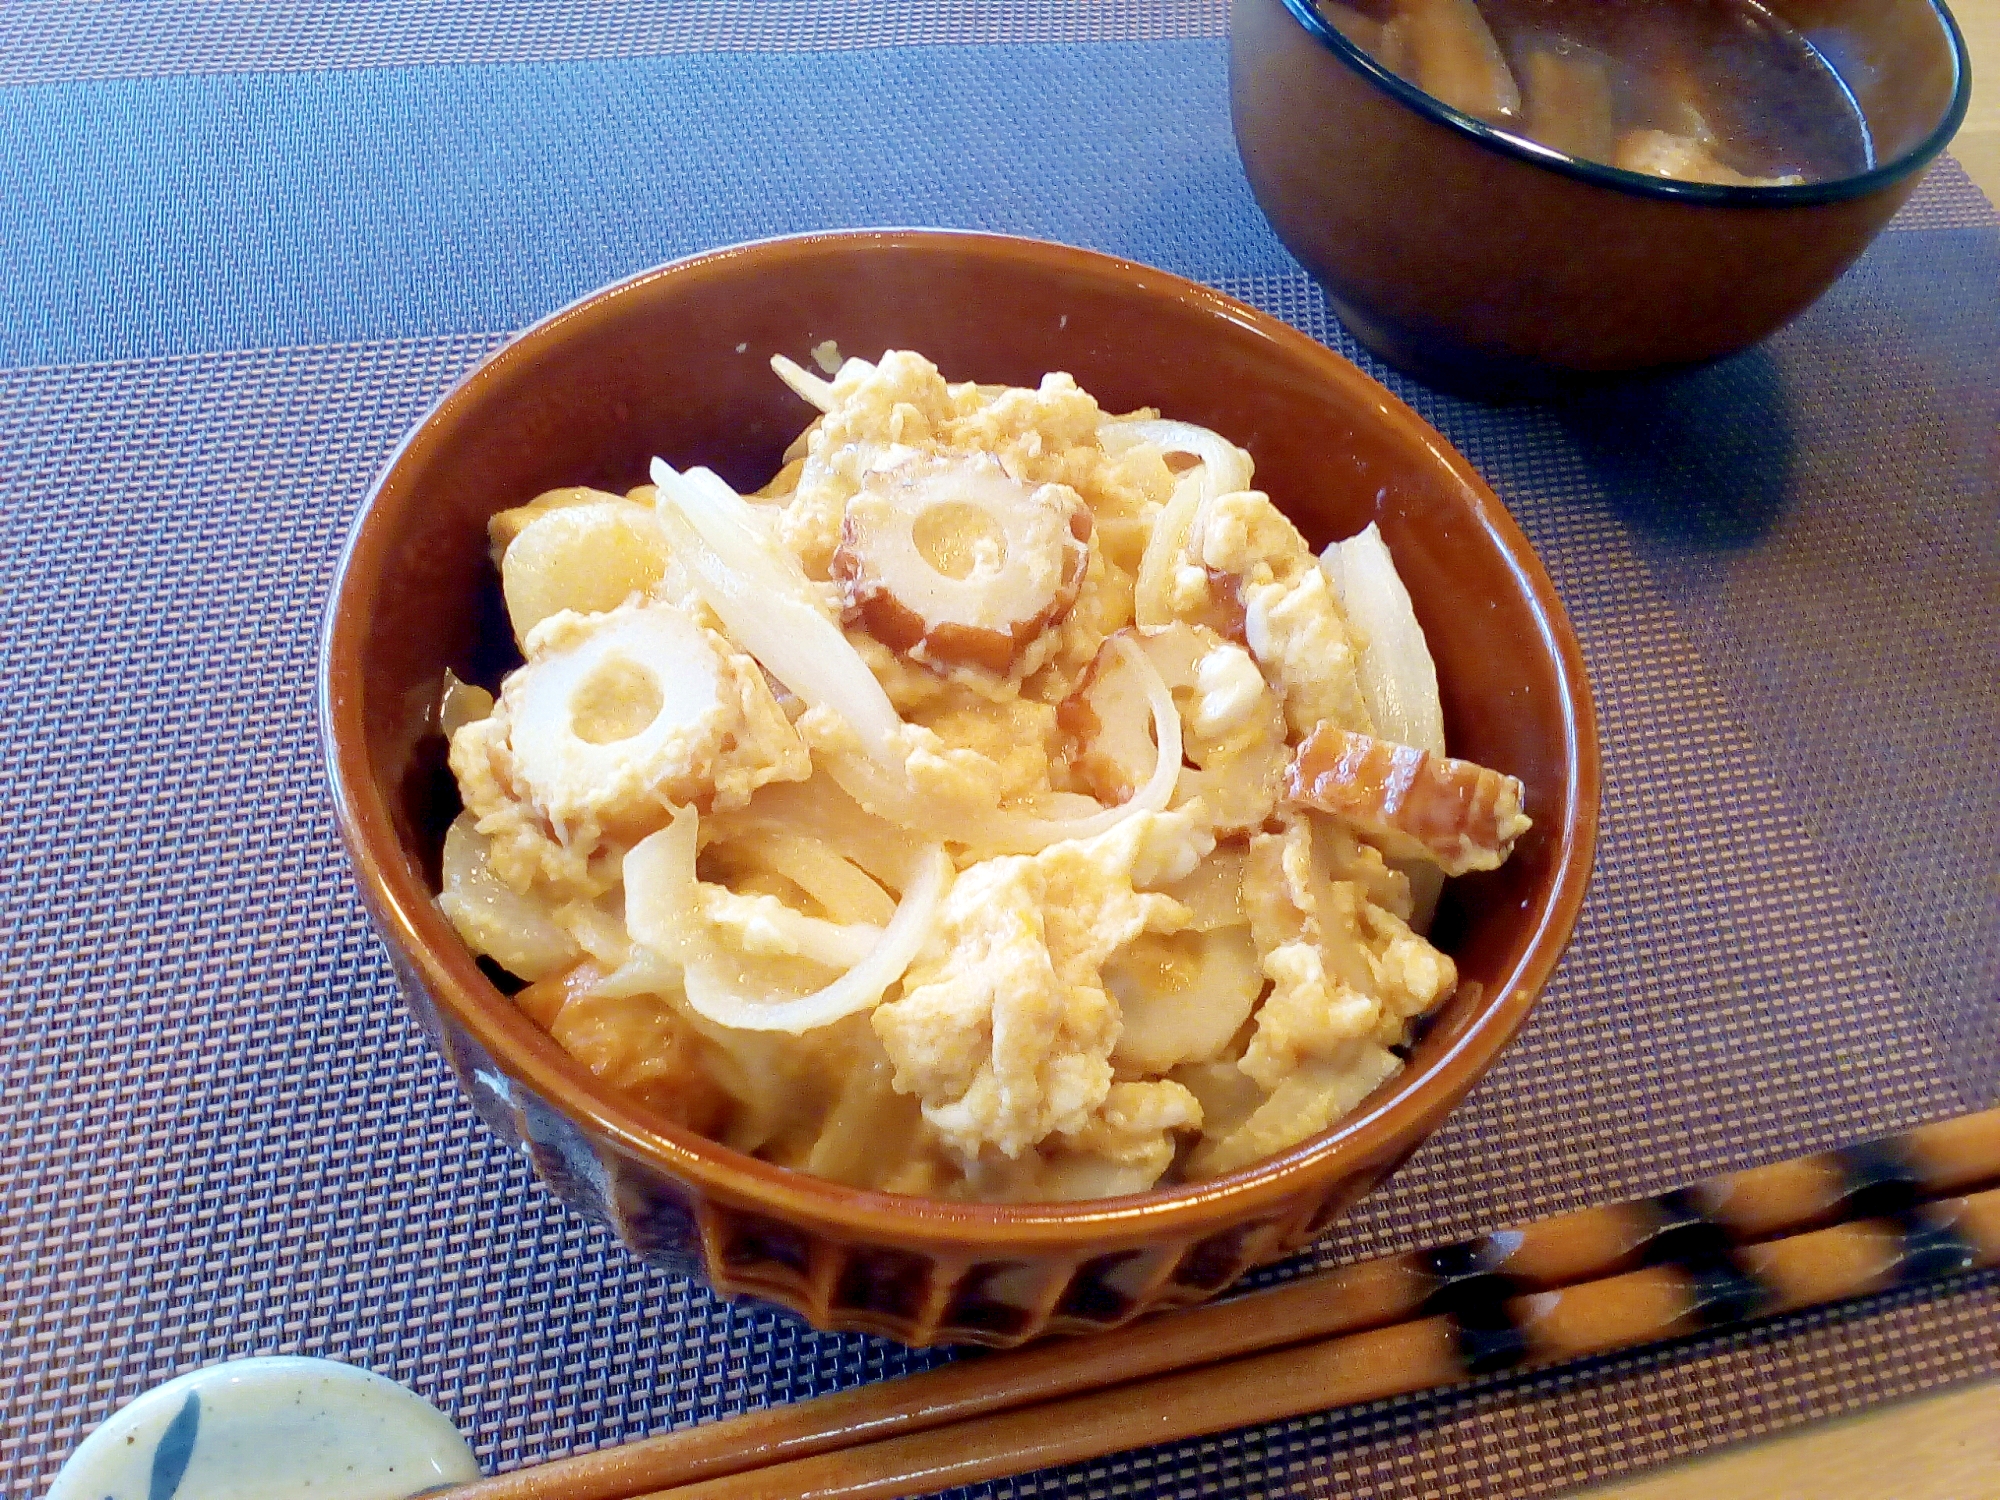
(175, 1448)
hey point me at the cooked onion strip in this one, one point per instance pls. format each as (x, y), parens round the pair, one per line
(1398, 678)
(518, 933)
(821, 811)
(760, 925)
(461, 703)
(1152, 587)
(767, 603)
(662, 913)
(835, 882)
(1004, 830)
(660, 910)
(1224, 470)
(805, 385)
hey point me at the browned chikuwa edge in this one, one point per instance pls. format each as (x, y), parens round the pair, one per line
(1416, 803)
(1867, 1218)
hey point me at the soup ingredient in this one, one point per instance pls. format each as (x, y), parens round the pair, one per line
(1710, 91)
(1661, 154)
(1568, 90)
(1448, 49)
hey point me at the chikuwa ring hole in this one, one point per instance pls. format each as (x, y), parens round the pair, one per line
(615, 702)
(957, 537)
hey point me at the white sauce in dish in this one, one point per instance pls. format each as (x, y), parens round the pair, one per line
(275, 1428)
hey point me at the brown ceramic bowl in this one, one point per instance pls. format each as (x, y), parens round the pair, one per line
(675, 362)
(1481, 262)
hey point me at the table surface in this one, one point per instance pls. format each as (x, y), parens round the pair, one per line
(248, 244)
(1944, 1447)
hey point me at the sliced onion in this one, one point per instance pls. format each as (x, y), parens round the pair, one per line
(807, 386)
(1058, 805)
(1007, 830)
(1151, 588)
(660, 910)
(1398, 678)
(766, 601)
(517, 933)
(764, 919)
(1308, 1100)
(662, 913)
(1225, 467)
(834, 881)
(821, 810)
(461, 703)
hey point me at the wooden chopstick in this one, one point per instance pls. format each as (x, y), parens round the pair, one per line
(1872, 1215)
(1593, 1317)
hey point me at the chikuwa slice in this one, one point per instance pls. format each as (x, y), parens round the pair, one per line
(619, 716)
(1181, 996)
(588, 557)
(953, 562)
(1409, 802)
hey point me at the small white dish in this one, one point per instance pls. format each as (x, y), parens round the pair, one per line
(275, 1428)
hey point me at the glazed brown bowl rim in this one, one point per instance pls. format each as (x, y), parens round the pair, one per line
(409, 920)
(1644, 185)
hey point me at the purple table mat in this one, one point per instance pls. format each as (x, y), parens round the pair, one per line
(249, 245)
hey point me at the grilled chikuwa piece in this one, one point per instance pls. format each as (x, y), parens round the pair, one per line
(1411, 803)
(953, 561)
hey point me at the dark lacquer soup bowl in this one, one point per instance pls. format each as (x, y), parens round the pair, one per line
(675, 362)
(1488, 263)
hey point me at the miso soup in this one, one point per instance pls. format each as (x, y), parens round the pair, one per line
(1717, 91)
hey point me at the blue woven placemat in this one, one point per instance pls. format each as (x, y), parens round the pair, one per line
(248, 245)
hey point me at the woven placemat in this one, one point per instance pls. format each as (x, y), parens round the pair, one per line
(42, 41)
(223, 1135)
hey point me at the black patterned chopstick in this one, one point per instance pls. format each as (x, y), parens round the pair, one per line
(1863, 1219)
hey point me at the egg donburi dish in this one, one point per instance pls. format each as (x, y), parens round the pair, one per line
(1004, 803)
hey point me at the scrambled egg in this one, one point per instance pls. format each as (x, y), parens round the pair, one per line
(1243, 552)
(1004, 1030)
(1343, 968)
